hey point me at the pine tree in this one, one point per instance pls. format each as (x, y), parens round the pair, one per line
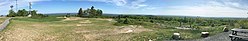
(80, 12)
(99, 12)
(127, 21)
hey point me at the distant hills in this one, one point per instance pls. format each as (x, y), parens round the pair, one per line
(108, 14)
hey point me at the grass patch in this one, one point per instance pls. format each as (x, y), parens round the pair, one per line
(54, 29)
(46, 19)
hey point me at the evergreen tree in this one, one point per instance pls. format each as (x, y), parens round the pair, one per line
(127, 21)
(99, 12)
(92, 12)
(86, 12)
(80, 12)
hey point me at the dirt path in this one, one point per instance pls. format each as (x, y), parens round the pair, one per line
(4, 24)
(219, 37)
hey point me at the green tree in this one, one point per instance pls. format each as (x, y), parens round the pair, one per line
(127, 21)
(92, 12)
(68, 15)
(25, 12)
(19, 12)
(35, 15)
(22, 12)
(99, 12)
(11, 13)
(80, 12)
(86, 12)
(34, 12)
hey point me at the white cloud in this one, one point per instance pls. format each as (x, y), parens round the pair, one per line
(210, 9)
(120, 2)
(133, 4)
(138, 4)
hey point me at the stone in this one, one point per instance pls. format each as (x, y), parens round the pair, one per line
(176, 36)
(128, 31)
(204, 34)
(225, 29)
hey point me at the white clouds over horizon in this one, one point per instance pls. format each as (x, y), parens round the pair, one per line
(132, 4)
(210, 9)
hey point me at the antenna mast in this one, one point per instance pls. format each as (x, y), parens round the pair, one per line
(16, 6)
(30, 7)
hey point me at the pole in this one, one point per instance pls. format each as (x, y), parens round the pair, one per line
(30, 7)
(16, 6)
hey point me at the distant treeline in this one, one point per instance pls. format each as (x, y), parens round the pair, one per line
(179, 21)
(90, 12)
(24, 13)
(191, 21)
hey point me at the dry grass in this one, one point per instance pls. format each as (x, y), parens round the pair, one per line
(2, 19)
(75, 29)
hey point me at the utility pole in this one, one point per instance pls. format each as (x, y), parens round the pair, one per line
(16, 6)
(30, 7)
(29, 12)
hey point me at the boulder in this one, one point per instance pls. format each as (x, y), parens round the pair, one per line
(176, 36)
(225, 29)
(204, 34)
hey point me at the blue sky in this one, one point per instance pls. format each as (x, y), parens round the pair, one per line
(204, 8)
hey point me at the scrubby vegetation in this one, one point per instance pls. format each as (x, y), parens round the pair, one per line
(166, 25)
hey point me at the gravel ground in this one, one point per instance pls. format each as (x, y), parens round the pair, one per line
(219, 37)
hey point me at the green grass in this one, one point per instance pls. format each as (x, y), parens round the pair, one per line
(46, 19)
(55, 29)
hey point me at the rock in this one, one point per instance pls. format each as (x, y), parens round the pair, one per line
(204, 34)
(29, 15)
(150, 40)
(176, 36)
(225, 29)
(129, 31)
(65, 17)
(79, 25)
